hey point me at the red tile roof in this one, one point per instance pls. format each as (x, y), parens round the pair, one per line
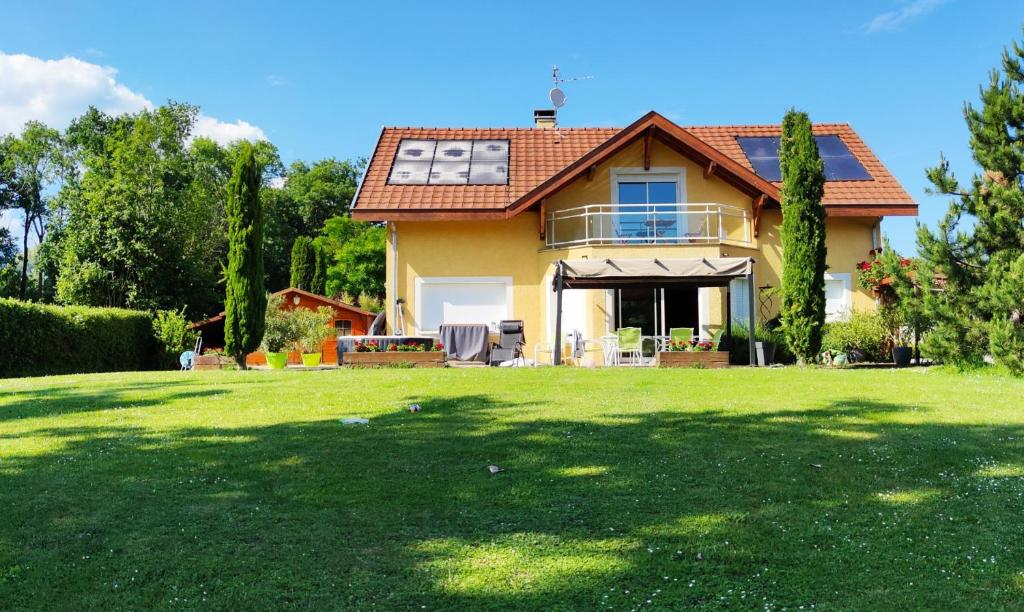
(538, 154)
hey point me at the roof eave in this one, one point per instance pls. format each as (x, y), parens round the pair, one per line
(890, 209)
(429, 214)
(666, 131)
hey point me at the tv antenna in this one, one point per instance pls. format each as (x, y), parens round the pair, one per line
(556, 94)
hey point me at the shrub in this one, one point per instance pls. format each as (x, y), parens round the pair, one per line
(280, 330)
(370, 302)
(312, 327)
(865, 331)
(170, 329)
(739, 348)
(39, 339)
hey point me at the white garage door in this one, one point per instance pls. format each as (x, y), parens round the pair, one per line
(455, 300)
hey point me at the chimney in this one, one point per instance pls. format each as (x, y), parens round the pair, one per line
(544, 118)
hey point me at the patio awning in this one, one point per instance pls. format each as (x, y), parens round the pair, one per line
(653, 273)
(624, 273)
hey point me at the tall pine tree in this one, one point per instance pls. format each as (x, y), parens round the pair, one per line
(803, 237)
(973, 264)
(246, 300)
(303, 263)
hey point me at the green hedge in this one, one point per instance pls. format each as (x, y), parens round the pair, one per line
(39, 339)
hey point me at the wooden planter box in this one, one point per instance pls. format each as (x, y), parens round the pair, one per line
(686, 359)
(213, 362)
(426, 359)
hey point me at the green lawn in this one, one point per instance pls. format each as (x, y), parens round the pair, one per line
(623, 489)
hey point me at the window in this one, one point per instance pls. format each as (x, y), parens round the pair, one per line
(450, 162)
(840, 164)
(739, 302)
(343, 327)
(647, 203)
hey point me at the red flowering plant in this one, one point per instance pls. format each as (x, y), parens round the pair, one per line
(883, 268)
(700, 346)
(392, 348)
(438, 346)
(894, 279)
(366, 347)
(675, 346)
(688, 345)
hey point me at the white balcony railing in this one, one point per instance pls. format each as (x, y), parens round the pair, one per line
(648, 224)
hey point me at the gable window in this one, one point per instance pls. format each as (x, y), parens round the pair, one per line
(840, 163)
(450, 162)
(343, 327)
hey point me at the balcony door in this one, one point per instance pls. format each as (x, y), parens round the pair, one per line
(646, 211)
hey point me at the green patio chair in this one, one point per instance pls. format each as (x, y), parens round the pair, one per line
(630, 343)
(680, 334)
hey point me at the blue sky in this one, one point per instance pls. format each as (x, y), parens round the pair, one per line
(320, 79)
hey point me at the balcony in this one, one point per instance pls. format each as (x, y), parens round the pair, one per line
(648, 224)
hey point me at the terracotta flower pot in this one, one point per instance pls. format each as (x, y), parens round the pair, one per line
(277, 361)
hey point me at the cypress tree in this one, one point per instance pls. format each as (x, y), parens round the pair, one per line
(319, 283)
(246, 299)
(973, 273)
(303, 263)
(803, 237)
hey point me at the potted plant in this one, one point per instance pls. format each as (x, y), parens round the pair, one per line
(313, 327)
(895, 324)
(693, 354)
(278, 334)
(409, 354)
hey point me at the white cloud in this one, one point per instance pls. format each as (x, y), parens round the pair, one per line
(223, 132)
(892, 21)
(57, 91)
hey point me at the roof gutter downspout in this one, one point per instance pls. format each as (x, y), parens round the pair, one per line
(397, 321)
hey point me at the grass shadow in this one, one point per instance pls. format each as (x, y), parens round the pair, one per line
(839, 505)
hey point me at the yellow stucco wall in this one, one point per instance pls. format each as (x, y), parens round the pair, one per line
(513, 248)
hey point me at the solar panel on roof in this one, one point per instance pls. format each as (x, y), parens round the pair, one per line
(450, 162)
(840, 164)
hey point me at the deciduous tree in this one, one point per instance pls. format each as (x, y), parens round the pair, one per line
(357, 254)
(31, 163)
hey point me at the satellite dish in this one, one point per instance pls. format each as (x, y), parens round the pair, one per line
(557, 97)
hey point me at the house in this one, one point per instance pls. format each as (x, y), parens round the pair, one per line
(479, 220)
(348, 320)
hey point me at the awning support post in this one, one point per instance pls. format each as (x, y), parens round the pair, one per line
(751, 318)
(556, 347)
